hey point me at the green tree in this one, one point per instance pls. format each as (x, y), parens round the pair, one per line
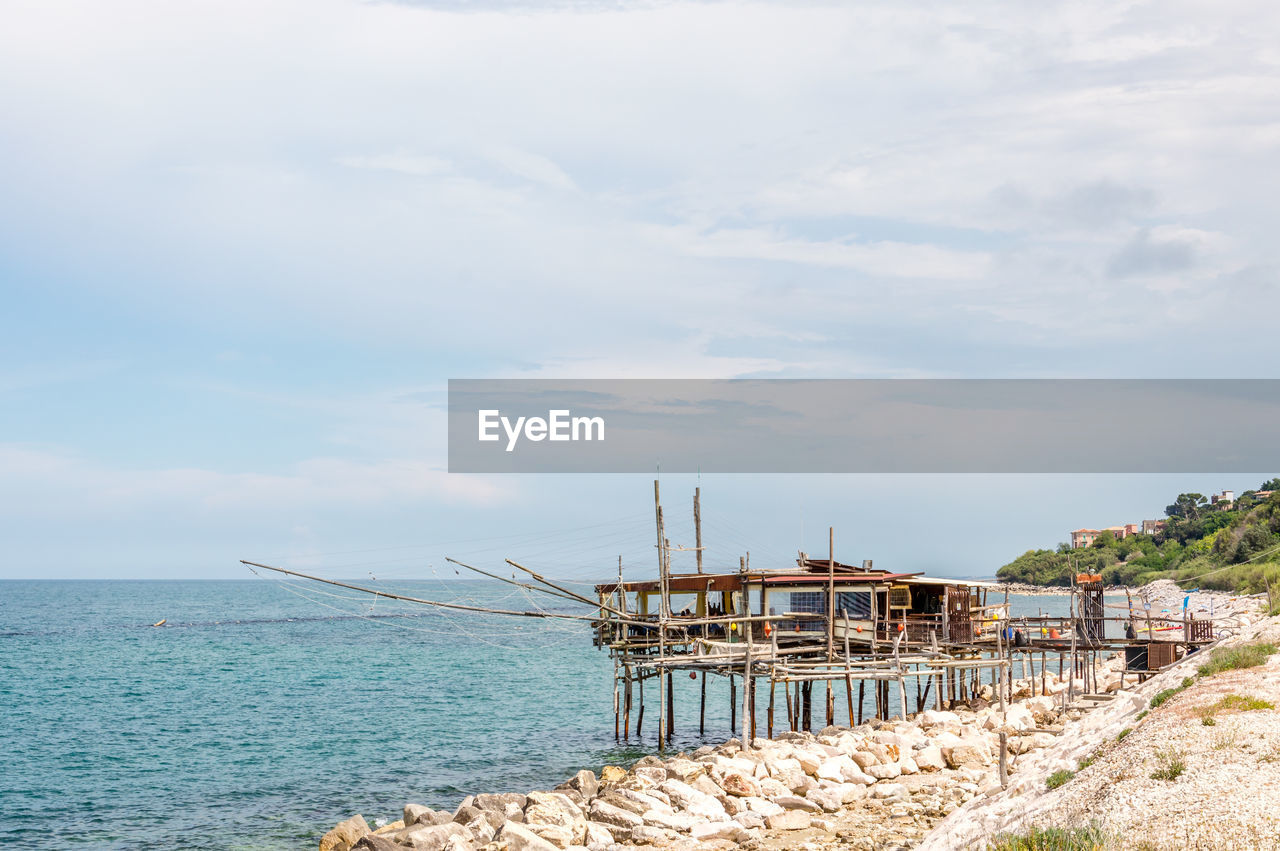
(1188, 506)
(1270, 485)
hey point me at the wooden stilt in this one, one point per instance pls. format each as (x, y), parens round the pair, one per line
(702, 707)
(671, 706)
(733, 706)
(753, 709)
(772, 686)
(786, 698)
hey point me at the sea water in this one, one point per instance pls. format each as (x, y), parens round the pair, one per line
(263, 713)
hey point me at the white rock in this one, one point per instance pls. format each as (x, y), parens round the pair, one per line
(887, 771)
(790, 820)
(729, 830)
(763, 806)
(520, 838)
(929, 758)
(694, 802)
(682, 822)
(889, 790)
(828, 799)
(934, 718)
(795, 802)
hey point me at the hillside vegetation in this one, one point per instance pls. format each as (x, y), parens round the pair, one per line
(1229, 546)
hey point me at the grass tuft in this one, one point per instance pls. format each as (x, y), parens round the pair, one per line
(1164, 696)
(1225, 740)
(1232, 658)
(1169, 765)
(1121, 735)
(1089, 838)
(1232, 703)
(1058, 778)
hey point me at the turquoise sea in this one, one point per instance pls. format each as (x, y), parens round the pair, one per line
(263, 713)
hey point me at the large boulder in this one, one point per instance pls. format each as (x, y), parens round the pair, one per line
(638, 802)
(556, 818)
(684, 770)
(828, 799)
(413, 811)
(599, 837)
(888, 771)
(929, 758)
(373, 842)
(519, 837)
(432, 837)
(585, 783)
(604, 812)
(770, 788)
(612, 774)
(795, 802)
(966, 754)
(710, 831)
(682, 822)
(482, 830)
(934, 718)
(647, 834)
(345, 834)
(763, 806)
(1019, 718)
(789, 820)
(694, 802)
(809, 761)
(736, 783)
(498, 802)
(652, 774)
(459, 843)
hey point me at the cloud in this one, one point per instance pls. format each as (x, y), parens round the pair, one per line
(41, 481)
(409, 164)
(1145, 255)
(530, 166)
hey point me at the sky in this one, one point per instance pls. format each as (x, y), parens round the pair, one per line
(243, 246)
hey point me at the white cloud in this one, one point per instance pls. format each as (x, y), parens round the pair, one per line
(414, 166)
(40, 481)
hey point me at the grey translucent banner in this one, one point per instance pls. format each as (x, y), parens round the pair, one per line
(864, 426)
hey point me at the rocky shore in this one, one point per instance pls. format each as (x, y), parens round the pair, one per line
(931, 782)
(882, 785)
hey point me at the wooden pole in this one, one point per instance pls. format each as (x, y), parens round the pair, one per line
(671, 705)
(626, 710)
(733, 706)
(702, 707)
(697, 524)
(786, 697)
(848, 676)
(831, 599)
(862, 699)
(1004, 767)
(772, 685)
(753, 709)
(662, 613)
(747, 700)
(640, 716)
